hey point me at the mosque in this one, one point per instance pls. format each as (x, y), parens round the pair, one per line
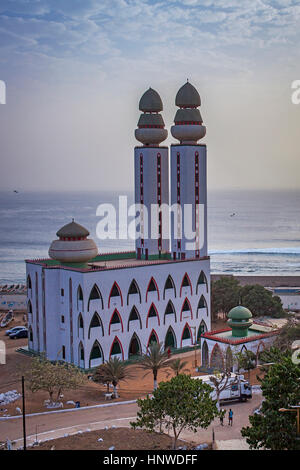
(85, 307)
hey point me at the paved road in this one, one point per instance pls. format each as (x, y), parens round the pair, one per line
(59, 424)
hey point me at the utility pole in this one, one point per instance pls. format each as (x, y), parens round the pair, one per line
(24, 423)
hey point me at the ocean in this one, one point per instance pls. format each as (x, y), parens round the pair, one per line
(249, 232)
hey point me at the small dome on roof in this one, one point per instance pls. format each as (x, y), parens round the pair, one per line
(239, 313)
(188, 97)
(72, 230)
(150, 102)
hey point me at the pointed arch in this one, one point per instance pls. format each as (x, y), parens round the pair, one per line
(202, 329)
(152, 312)
(28, 282)
(29, 306)
(186, 334)
(152, 286)
(169, 284)
(96, 322)
(202, 304)
(134, 315)
(186, 306)
(185, 283)
(116, 348)
(216, 358)
(153, 338)
(202, 280)
(96, 355)
(80, 354)
(115, 319)
(170, 309)
(205, 355)
(229, 359)
(115, 291)
(79, 295)
(95, 294)
(170, 339)
(135, 348)
(30, 334)
(80, 324)
(134, 289)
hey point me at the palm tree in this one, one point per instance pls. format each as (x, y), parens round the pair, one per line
(178, 366)
(154, 360)
(113, 371)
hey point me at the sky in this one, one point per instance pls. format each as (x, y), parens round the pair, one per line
(75, 70)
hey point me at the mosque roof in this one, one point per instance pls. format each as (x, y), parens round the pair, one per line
(150, 102)
(188, 97)
(73, 229)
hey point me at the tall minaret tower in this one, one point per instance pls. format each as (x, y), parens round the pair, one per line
(151, 168)
(188, 178)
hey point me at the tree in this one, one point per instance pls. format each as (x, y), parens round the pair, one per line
(53, 377)
(182, 403)
(260, 301)
(100, 376)
(270, 428)
(225, 294)
(154, 360)
(178, 366)
(113, 371)
(245, 360)
(220, 381)
(288, 334)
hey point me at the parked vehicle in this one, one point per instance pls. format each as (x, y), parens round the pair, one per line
(237, 388)
(14, 330)
(19, 334)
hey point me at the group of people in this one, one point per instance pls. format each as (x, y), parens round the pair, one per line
(230, 417)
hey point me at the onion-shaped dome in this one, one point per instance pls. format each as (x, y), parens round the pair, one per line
(188, 97)
(188, 116)
(73, 245)
(150, 102)
(151, 120)
(239, 319)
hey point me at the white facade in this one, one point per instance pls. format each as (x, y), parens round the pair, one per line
(60, 322)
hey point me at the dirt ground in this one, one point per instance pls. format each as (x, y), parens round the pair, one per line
(120, 438)
(138, 385)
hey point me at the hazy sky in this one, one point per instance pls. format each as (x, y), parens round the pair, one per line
(75, 70)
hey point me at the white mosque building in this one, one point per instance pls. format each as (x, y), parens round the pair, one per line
(85, 307)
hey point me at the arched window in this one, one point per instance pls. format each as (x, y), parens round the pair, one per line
(79, 296)
(115, 320)
(216, 358)
(115, 292)
(134, 346)
(94, 295)
(95, 323)
(96, 355)
(186, 307)
(116, 348)
(134, 315)
(170, 339)
(169, 284)
(134, 289)
(202, 304)
(153, 338)
(186, 282)
(229, 359)
(29, 307)
(30, 334)
(186, 335)
(152, 287)
(81, 355)
(29, 284)
(202, 280)
(80, 324)
(170, 310)
(152, 312)
(205, 355)
(202, 329)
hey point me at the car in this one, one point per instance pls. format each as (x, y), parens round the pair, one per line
(19, 334)
(14, 330)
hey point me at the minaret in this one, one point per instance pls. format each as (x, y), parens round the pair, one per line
(151, 168)
(188, 178)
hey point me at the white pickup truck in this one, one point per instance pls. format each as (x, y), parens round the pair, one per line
(237, 388)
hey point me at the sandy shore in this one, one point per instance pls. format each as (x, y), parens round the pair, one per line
(266, 281)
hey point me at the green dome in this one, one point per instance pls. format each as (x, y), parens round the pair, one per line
(239, 313)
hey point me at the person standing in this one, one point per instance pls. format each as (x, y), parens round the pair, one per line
(230, 417)
(222, 414)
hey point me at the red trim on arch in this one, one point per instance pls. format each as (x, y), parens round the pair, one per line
(119, 290)
(118, 313)
(152, 305)
(156, 335)
(186, 325)
(157, 290)
(116, 339)
(188, 278)
(186, 299)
